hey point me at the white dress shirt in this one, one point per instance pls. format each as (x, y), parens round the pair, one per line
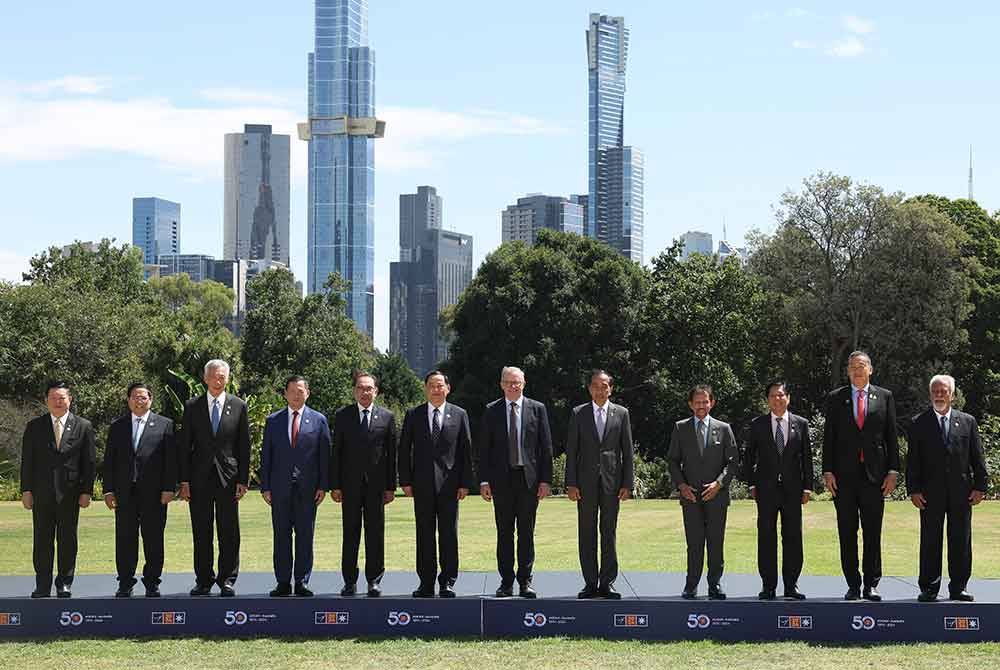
(430, 415)
(137, 431)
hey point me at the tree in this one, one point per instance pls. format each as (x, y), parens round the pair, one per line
(399, 388)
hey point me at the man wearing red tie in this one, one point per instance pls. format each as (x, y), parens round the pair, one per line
(860, 466)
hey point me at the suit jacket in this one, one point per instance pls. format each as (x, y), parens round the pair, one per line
(945, 471)
(430, 467)
(154, 463)
(690, 466)
(67, 471)
(594, 461)
(308, 463)
(784, 475)
(358, 456)
(224, 456)
(877, 440)
(535, 440)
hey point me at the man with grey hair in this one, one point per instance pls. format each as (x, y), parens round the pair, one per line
(214, 467)
(514, 465)
(945, 477)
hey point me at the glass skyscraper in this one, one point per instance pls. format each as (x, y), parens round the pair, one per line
(156, 227)
(341, 132)
(615, 171)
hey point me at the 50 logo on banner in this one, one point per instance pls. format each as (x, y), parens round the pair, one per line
(399, 618)
(70, 618)
(862, 622)
(535, 619)
(235, 618)
(698, 621)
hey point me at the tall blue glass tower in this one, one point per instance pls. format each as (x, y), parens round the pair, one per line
(341, 131)
(615, 175)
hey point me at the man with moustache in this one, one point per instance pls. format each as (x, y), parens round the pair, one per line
(294, 462)
(599, 475)
(945, 477)
(703, 459)
(214, 463)
(514, 461)
(778, 467)
(363, 479)
(58, 464)
(435, 468)
(140, 477)
(860, 467)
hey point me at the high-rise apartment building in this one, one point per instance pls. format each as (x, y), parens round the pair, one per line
(522, 220)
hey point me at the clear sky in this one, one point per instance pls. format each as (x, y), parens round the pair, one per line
(732, 103)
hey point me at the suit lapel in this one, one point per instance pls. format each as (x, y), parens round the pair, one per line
(68, 425)
(152, 423)
(589, 421)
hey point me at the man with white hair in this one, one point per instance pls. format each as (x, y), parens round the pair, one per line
(945, 477)
(214, 466)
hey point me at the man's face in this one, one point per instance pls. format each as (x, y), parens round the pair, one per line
(365, 391)
(859, 370)
(296, 393)
(701, 404)
(58, 401)
(941, 397)
(600, 388)
(436, 389)
(512, 385)
(777, 400)
(139, 401)
(216, 380)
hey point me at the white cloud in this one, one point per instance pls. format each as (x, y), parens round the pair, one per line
(243, 96)
(70, 84)
(849, 47)
(12, 265)
(803, 44)
(858, 26)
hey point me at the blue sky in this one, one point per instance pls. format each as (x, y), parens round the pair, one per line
(732, 103)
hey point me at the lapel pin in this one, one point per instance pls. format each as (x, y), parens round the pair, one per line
(873, 396)
(307, 420)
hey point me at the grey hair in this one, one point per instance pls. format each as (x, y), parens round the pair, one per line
(217, 363)
(948, 380)
(510, 368)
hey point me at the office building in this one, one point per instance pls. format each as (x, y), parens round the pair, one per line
(522, 220)
(156, 227)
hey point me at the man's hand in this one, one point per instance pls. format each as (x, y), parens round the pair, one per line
(388, 497)
(337, 495)
(543, 490)
(27, 500)
(574, 493)
(486, 492)
(408, 491)
(624, 494)
(240, 491)
(266, 495)
(831, 482)
(462, 493)
(710, 490)
(806, 497)
(84, 500)
(976, 497)
(185, 493)
(320, 494)
(888, 484)
(110, 500)
(166, 497)
(686, 492)
(918, 500)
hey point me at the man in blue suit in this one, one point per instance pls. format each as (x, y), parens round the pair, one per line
(295, 462)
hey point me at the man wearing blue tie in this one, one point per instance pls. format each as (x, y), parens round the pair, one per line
(295, 461)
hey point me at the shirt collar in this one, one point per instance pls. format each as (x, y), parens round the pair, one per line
(519, 402)
(431, 408)
(143, 418)
(300, 411)
(361, 410)
(602, 407)
(855, 389)
(708, 417)
(783, 418)
(211, 398)
(946, 415)
(62, 418)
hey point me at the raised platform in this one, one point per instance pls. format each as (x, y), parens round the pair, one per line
(651, 609)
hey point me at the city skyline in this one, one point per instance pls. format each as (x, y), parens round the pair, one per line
(731, 107)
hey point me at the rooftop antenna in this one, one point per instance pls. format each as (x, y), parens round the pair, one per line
(970, 172)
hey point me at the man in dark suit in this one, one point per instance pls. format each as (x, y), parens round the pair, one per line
(778, 467)
(945, 477)
(599, 475)
(363, 479)
(58, 463)
(435, 467)
(514, 460)
(294, 463)
(860, 466)
(214, 461)
(703, 458)
(140, 477)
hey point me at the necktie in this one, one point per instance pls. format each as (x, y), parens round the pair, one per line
(701, 437)
(944, 430)
(295, 428)
(779, 437)
(59, 431)
(135, 434)
(364, 421)
(215, 417)
(860, 420)
(600, 423)
(512, 435)
(436, 425)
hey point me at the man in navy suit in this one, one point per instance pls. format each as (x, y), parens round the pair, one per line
(140, 477)
(435, 468)
(295, 461)
(945, 477)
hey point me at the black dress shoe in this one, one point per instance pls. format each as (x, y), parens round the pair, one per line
(716, 594)
(794, 594)
(587, 593)
(349, 590)
(303, 591)
(853, 593)
(123, 592)
(374, 590)
(446, 592)
(201, 590)
(424, 592)
(227, 591)
(609, 592)
(962, 596)
(505, 591)
(527, 592)
(767, 594)
(153, 591)
(689, 594)
(927, 596)
(282, 590)
(41, 594)
(63, 591)
(871, 593)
